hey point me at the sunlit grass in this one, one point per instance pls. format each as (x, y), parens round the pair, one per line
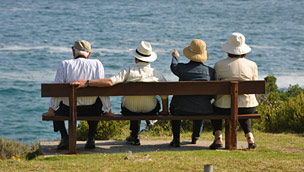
(275, 152)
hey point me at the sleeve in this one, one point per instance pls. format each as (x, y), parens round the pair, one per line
(174, 65)
(121, 76)
(255, 72)
(100, 70)
(217, 76)
(59, 78)
(162, 79)
(106, 102)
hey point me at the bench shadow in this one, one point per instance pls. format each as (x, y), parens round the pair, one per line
(118, 146)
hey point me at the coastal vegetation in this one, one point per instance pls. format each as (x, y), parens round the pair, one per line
(10, 149)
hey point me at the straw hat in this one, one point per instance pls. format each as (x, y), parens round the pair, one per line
(196, 51)
(236, 44)
(82, 45)
(144, 52)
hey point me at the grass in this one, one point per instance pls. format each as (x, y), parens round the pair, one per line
(275, 152)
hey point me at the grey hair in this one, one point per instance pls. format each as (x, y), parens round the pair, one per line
(82, 52)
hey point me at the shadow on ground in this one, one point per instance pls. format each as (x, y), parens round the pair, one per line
(118, 146)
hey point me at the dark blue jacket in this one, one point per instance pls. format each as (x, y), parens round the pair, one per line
(192, 71)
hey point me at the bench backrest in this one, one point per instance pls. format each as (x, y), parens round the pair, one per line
(157, 88)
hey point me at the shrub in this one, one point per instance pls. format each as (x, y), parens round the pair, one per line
(105, 130)
(14, 150)
(281, 110)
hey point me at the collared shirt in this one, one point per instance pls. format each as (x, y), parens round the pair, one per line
(236, 69)
(141, 72)
(75, 69)
(192, 71)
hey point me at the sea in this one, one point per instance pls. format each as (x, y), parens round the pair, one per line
(36, 35)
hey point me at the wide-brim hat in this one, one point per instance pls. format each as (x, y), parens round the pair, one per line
(144, 52)
(196, 51)
(236, 44)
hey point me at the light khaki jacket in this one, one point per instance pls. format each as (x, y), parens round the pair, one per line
(236, 69)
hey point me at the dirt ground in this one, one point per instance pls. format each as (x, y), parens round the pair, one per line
(118, 146)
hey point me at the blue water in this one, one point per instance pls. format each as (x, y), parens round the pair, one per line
(36, 35)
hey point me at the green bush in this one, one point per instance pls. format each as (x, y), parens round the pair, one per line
(162, 126)
(105, 130)
(14, 150)
(281, 110)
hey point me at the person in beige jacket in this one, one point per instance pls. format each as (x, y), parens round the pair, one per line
(235, 67)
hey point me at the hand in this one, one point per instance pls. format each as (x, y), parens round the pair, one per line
(175, 53)
(80, 83)
(110, 113)
(51, 112)
(163, 113)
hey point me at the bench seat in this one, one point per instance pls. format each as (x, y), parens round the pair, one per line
(138, 117)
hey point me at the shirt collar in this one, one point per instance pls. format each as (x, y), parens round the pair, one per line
(143, 64)
(193, 62)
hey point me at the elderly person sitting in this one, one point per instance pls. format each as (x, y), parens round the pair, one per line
(194, 70)
(235, 67)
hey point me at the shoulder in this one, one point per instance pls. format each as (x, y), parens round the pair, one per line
(250, 62)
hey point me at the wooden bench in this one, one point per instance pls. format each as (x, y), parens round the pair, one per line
(234, 88)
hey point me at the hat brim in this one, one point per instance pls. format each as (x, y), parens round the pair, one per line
(151, 58)
(195, 56)
(244, 49)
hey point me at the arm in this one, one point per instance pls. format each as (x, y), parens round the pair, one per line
(174, 63)
(255, 74)
(106, 82)
(59, 78)
(165, 110)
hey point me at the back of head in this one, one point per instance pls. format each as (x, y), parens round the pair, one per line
(82, 47)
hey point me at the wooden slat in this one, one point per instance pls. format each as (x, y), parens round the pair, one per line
(55, 89)
(157, 88)
(158, 117)
(252, 87)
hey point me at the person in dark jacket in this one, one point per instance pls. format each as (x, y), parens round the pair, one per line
(194, 70)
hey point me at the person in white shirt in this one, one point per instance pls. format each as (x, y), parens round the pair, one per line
(140, 72)
(69, 70)
(235, 67)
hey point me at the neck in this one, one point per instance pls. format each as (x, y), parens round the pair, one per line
(80, 56)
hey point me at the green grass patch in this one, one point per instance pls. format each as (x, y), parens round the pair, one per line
(275, 152)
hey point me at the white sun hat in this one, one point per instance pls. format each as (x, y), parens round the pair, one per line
(236, 44)
(144, 52)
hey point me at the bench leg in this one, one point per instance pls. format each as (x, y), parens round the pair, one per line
(73, 121)
(72, 136)
(230, 135)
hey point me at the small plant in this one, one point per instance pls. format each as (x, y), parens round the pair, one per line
(105, 130)
(17, 151)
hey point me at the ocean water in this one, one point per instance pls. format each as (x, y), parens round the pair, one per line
(36, 35)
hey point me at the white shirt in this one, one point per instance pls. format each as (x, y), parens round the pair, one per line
(141, 72)
(236, 69)
(75, 69)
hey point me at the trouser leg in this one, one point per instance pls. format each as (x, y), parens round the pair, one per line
(197, 127)
(217, 125)
(134, 127)
(60, 126)
(92, 129)
(245, 125)
(176, 129)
